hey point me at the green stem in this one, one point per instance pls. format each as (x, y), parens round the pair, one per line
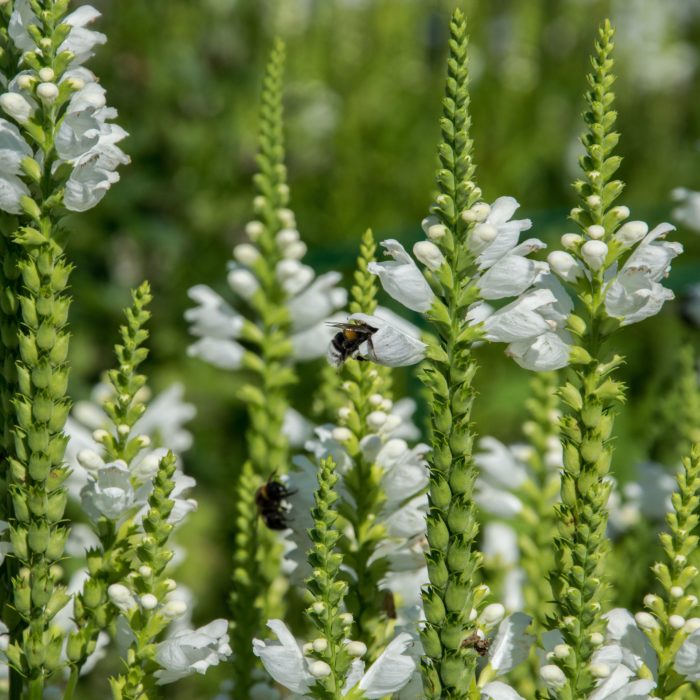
(72, 683)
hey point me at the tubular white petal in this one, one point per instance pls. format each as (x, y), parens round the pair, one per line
(223, 353)
(391, 346)
(391, 671)
(510, 276)
(496, 690)
(284, 660)
(548, 351)
(402, 279)
(687, 661)
(519, 319)
(634, 644)
(511, 645)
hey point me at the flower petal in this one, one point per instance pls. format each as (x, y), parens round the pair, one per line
(402, 279)
(391, 671)
(687, 661)
(284, 660)
(511, 645)
(390, 346)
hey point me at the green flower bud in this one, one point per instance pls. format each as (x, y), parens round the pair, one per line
(431, 642)
(434, 608)
(440, 492)
(438, 534)
(18, 538)
(22, 597)
(38, 534)
(57, 543)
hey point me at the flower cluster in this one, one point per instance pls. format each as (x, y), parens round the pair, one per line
(80, 148)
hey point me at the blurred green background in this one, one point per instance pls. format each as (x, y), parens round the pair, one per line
(362, 100)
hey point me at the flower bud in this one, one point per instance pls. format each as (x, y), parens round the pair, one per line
(436, 232)
(597, 639)
(295, 251)
(553, 676)
(47, 92)
(646, 621)
(243, 282)
(319, 669)
(149, 601)
(287, 218)
(356, 649)
(593, 200)
(341, 434)
(561, 651)
(90, 460)
(692, 624)
(376, 420)
(75, 83)
(564, 265)
(246, 254)
(621, 212)
(319, 645)
(46, 75)
(594, 253)
(100, 435)
(26, 82)
(478, 212)
(121, 596)
(344, 412)
(254, 229)
(482, 236)
(596, 231)
(676, 592)
(571, 240)
(318, 607)
(676, 621)
(286, 237)
(346, 618)
(16, 106)
(630, 233)
(429, 254)
(145, 571)
(599, 670)
(306, 648)
(174, 609)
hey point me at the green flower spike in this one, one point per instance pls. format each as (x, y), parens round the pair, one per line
(257, 555)
(453, 562)
(667, 630)
(112, 561)
(365, 386)
(327, 591)
(141, 602)
(592, 396)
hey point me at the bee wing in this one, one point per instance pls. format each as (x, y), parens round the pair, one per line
(343, 326)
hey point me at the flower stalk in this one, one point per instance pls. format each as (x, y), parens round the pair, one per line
(453, 561)
(676, 577)
(592, 396)
(112, 562)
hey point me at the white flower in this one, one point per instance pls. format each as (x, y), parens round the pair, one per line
(626, 637)
(225, 354)
(620, 686)
(688, 210)
(429, 254)
(13, 148)
(80, 41)
(513, 273)
(192, 651)
(687, 660)
(402, 279)
(390, 346)
(564, 265)
(507, 233)
(109, 493)
(497, 690)
(286, 664)
(511, 645)
(635, 292)
(213, 317)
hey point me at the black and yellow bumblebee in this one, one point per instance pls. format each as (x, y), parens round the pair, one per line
(270, 501)
(347, 342)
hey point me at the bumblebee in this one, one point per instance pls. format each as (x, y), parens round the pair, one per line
(346, 343)
(270, 501)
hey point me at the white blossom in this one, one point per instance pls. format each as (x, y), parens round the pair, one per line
(13, 148)
(192, 651)
(687, 212)
(635, 292)
(109, 493)
(390, 346)
(402, 279)
(687, 659)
